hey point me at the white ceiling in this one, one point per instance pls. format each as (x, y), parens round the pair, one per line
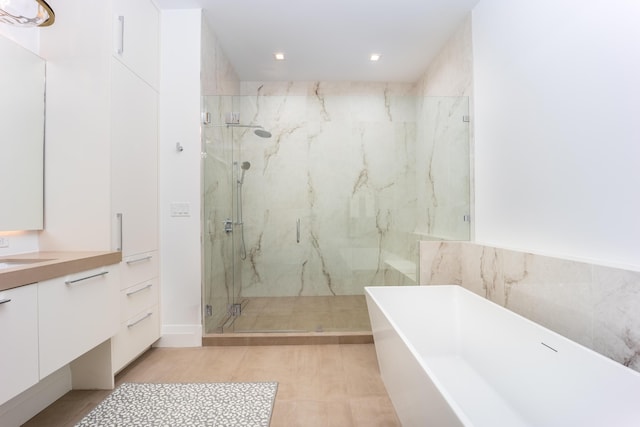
(330, 40)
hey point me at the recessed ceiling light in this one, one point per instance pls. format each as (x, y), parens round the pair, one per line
(374, 57)
(279, 56)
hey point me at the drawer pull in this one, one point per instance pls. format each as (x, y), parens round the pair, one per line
(146, 316)
(4, 301)
(71, 282)
(133, 261)
(139, 290)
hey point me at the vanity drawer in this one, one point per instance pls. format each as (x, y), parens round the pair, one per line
(138, 268)
(136, 298)
(134, 337)
(75, 314)
(19, 337)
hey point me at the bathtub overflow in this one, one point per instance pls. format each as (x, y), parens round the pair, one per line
(548, 346)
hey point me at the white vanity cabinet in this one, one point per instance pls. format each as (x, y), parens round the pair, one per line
(139, 309)
(75, 314)
(19, 337)
(136, 38)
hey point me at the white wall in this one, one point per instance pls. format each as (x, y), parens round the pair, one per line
(27, 37)
(556, 130)
(180, 177)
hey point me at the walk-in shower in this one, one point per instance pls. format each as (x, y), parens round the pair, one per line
(334, 201)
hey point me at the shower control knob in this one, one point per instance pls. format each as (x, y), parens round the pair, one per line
(228, 225)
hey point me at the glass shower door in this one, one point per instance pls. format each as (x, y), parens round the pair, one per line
(218, 245)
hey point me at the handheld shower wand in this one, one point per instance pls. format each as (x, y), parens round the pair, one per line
(245, 167)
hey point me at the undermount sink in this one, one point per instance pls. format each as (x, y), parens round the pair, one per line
(17, 262)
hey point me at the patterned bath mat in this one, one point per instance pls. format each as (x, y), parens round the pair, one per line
(193, 404)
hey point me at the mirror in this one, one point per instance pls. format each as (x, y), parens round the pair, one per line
(22, 109)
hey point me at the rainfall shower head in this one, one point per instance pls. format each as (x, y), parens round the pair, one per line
(262, 133)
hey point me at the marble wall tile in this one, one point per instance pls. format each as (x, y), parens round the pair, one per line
(325, 88)
(440, 263)
(443, 147)
(218, 76)
(343, 166)
(617, 314)
(450, 74)
(482, 271)
(593, 305)
(553, 292)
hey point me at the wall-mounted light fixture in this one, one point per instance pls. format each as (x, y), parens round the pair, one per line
(26, 13)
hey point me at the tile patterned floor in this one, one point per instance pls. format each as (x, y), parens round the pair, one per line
(318, 385)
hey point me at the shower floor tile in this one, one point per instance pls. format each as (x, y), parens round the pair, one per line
(303, 314)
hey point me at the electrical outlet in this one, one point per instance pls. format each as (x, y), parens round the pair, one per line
(4, 242)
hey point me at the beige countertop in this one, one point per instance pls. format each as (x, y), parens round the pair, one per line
(24, 269)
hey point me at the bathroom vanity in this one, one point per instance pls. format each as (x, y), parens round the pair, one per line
(56, 309)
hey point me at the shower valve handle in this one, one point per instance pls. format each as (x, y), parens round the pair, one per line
(228, 225)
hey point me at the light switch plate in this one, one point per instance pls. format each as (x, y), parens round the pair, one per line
(4, 242)
(180, 209)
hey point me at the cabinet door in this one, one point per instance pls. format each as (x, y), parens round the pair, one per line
(134, 161)
(19, 337)
(76, 313)
(137, 38)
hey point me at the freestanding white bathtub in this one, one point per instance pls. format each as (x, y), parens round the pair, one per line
(449, 357)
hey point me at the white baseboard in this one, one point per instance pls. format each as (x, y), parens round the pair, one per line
(180, 336)
(30, 402)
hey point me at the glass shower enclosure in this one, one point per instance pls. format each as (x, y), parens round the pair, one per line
(307, 200)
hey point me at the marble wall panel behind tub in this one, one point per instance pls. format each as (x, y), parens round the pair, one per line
(482, 271)
(596, 306)
(440, 263)
(553, 292)
(616, 322)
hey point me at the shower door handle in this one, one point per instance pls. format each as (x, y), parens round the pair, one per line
(298, 230)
